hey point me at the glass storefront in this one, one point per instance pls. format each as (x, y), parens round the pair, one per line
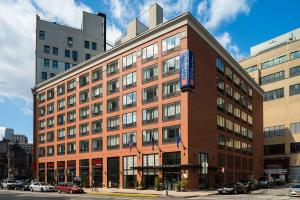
(113, 172)
(61, 171)
(84, 172)
(97, 172)
(50, 173)
(149, 161)
(71, 170)
(42, 172)
(171, 171)
(129, 174)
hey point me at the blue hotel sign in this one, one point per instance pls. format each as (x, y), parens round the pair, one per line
(187, 70)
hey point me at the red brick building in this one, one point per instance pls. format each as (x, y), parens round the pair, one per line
(160, 104)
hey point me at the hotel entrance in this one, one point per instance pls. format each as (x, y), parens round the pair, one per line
(171, 169)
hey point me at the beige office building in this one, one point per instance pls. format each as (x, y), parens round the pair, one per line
(275, 65)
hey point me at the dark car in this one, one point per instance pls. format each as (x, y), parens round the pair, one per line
(266, 182)
(250, 183)
(233, 188)
(68, 188)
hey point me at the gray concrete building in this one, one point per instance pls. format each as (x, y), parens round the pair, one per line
(19, 138)
(60, 47)
(9, 133)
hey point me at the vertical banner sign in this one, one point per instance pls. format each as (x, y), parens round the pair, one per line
(187, 70)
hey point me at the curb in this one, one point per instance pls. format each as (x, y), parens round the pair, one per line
(123, 194)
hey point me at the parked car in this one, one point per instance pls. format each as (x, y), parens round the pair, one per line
(23, 185)
(8, 184)
(250, 183)
(233, 188)
(42, 187)
(294, 190)
(279, 181)
(68, 188)
(266, 182)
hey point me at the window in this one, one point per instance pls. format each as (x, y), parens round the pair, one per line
(84, 129)
(237, 128)
(42, 111)
(96, 109)
(129, 119)
(150, 115)
(71, 132)
(46, 49)
(171, 43)
(97, 74)
(97, 144)
(236, 96)
(129, 139)
(273, 62)
(220, 83)
(60, 119)
(61, 134)
(44, 76)
(274, 94)
(94, 45)
(170, 89)
(41, 151)
(220, 121)
(50, 122)
(150, 52)
(295, 54)
(50, 136)
(274, 149)
(294, 89)
(170, 66)
(219, 64)
(84, 80)
(150, 136)
(170, 134)
(274, 131)
(113, 123)
(229, 90)
(251, 69)
(46, 62)
(71, 146)
(220, 103)
(87, 56)
(295, 147)
(229, 108)
(295, 71)
(113, 86)
(113, 142)
(112, 68)
(96, 126)
(113, 104)
(229, 125)
(129, 100)
(71, 116)
(42, 138)
(150, 73)
(84, 146)
(55, 51)
(50, 150)
(220, 140)
(236, 80)
(70, 41)
(84, 112)
(50, 108)
(86, 44)
(295, 128)
(71, 100)
(84, 96)
(171, 111)
(61, 149)
(61, 104)
(52, 75)
(75, 55)
(42, 97)
(129, 80)
(129, 61)
(61, 89)
(229, 73)
(272, 78)
(42, 35)
(97, 92)
(55, 64)
(67, 53)
(50, 94)
(71, 85)
(67, 66)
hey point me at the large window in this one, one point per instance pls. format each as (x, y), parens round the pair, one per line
(294, 89)
(274, 94)
(84, 112)
(295, 71)
(61, 134)
(84, 146)
(171, 88)
(171, 66)
(170, 134)
(97, 126)
(71, 100)
(61, 104)
(96, 109)
(295, 54)
(150, 115)
(220, 83)
(61, 149)
(274, 149)
(251, 69)
(274, 131)
(171, 111)
(129, 139)
(71, 85)
(113, 123)
(221, 103)
(113, 86)
(71, 147)
(84, 129)
(46, 49)
(60, 119)
(150, 73)
(150, 137)
(149, 52)
(129, 174)
(84, 96)
(171, 43)
(129, 80)
(97, 144)
(150, 94)
(84, 80)
(273, 62)
(113, 104)
(129, 100)
(295, 147)
(113, 142)
(71, 132)
(129, 61)
(129, 119)
(50, 122)
(219, 64)
(97, 74)
(272, 78)
(112, 68)
(97, 92)
(295, 128)
(55, 51)
(50, 136)
(220, 121)
(50, 150)
(61, 89)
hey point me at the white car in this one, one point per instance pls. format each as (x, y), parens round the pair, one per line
(41, 187)
(294, 190)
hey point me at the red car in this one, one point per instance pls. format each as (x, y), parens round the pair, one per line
(68, 188)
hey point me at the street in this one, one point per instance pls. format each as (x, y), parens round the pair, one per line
(277, 193)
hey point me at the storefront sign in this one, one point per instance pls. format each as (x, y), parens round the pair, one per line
(187, 70)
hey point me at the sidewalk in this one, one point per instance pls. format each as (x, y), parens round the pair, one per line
(145, 193)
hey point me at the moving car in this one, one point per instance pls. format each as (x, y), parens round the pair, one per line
(251, 184)
(266, 182)
(233, 188)
(8, 184)
(68, 188)
(42, 187)
(294, 190)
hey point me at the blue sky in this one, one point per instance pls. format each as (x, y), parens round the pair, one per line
(237, 25)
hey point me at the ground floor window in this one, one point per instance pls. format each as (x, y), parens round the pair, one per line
(113, 172)
(97, 172)
(150, 161)
(172, 172)
(129, 174)
(84, 172)
(50, 173)
(203, 172)
(42, 172)
(61, 171)
(71, 170)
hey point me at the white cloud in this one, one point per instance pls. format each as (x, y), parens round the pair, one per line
(2, 131)
(27, 110)
(212, 13)
(112, 34)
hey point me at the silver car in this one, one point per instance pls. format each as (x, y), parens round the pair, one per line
(294, 190)
(41, 187)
